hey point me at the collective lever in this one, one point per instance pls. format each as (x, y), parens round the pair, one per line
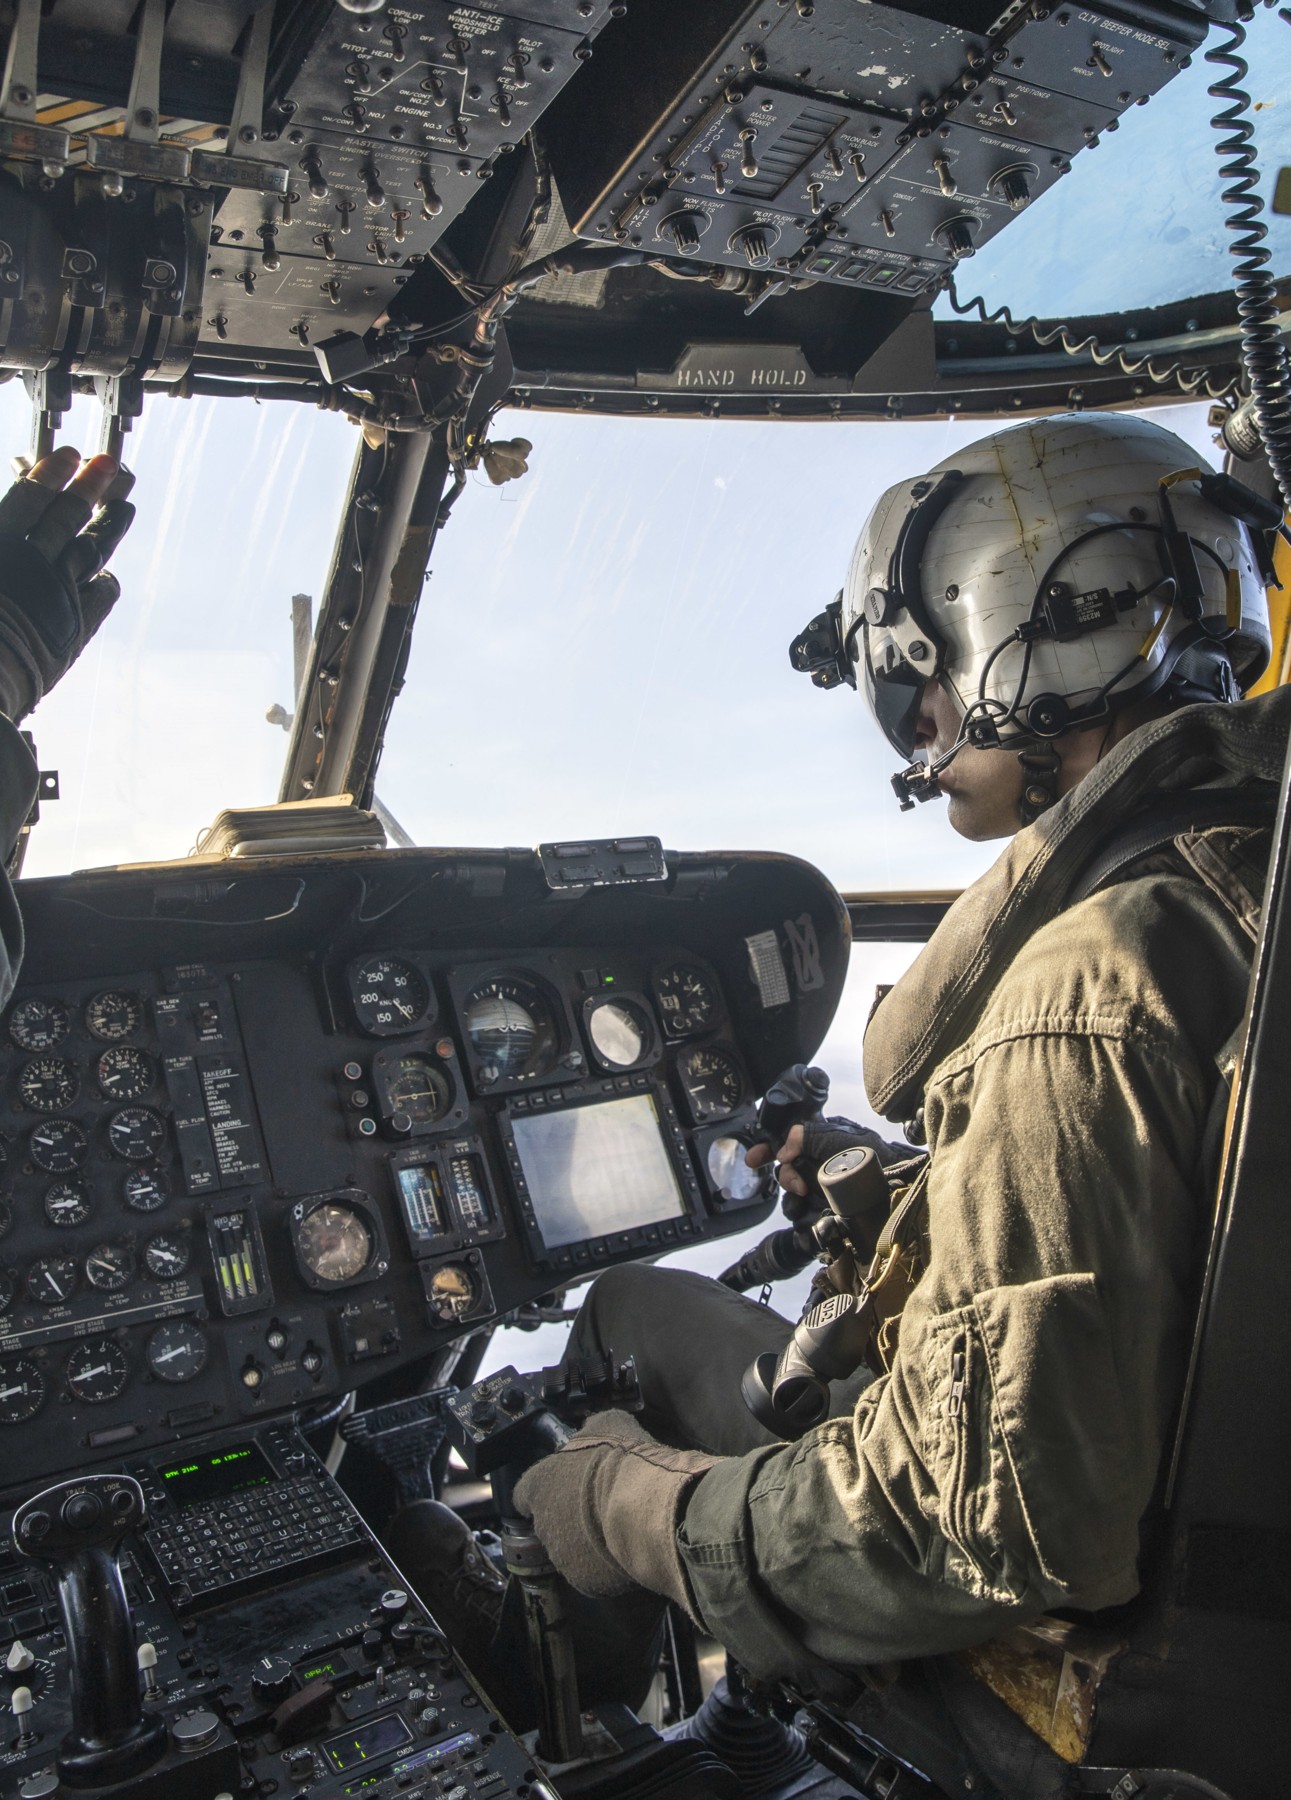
(76, 1529)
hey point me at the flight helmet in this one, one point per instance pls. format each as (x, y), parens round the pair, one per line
(1048, 575)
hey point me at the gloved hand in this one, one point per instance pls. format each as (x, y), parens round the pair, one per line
(608, 1505)
(53, 597)
(807, 1146)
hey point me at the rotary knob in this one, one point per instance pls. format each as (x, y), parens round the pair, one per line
(754, 243)
(684, 231)
(271, 1678)
(1013, 187)
(956, 238)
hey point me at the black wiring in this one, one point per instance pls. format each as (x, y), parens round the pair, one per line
(1188, 379)
(1264, 353)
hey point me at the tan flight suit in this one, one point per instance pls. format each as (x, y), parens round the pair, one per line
(1072, 1063)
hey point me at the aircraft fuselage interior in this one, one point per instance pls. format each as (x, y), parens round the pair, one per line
(289, 1130)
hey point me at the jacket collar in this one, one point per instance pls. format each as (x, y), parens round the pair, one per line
(934, 1006)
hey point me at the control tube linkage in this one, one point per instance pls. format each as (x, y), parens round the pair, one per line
(76, 1530)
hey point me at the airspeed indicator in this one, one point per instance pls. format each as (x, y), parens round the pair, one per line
(389, 996)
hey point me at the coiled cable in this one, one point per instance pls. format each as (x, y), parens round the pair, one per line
(1187, 378)
(1264, 353)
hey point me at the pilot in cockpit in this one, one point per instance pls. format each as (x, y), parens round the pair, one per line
(1055, 629)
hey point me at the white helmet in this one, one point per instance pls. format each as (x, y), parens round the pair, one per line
(1049, 574)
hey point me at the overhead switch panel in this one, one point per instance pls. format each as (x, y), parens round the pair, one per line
(866, 145)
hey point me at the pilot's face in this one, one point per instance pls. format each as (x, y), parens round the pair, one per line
(983, 788)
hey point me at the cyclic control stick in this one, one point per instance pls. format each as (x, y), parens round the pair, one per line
(75, 1529)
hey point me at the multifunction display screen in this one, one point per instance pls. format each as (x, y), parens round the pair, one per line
(593, 1170)
(197, 1479)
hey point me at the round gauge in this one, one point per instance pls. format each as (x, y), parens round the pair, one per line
(136, 1133)
(68, 1203)
(97, 1371)
(36, 1024)
(6, 1216)
(177, 1351)
(7, 1290)
(389, 995)
(145, 1190)
(108, 1267)
(52, 1280)
(166, 1257)
(454, 1292)
(413, 1085)
(712, 1080)
(125, 1073)
(512, 1031)
(58, 1146)
(686, 999)
(730, 1174)
(112, 1016)
(47, 1084)
(620, 1033)
(22, 1390)
(334, 1243)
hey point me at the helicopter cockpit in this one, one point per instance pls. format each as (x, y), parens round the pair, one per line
(317, 1107)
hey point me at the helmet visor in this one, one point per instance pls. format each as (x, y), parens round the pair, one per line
(893, 687)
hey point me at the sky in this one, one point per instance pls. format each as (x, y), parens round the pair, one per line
(602, 646)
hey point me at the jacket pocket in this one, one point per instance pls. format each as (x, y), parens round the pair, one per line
(978, 1532)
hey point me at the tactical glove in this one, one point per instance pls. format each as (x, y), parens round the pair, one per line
(53, 596)
(608, 1505)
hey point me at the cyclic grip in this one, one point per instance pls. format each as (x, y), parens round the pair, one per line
(76, 1529)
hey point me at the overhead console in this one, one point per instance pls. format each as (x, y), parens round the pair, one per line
(269, 1134)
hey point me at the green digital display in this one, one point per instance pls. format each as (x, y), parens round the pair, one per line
(352, 1749)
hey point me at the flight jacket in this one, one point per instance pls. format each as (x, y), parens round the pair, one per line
(1072, 1062)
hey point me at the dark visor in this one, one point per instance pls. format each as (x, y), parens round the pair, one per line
(893, 692)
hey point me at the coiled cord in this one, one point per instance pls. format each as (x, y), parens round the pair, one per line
(1188, 379)
(1264, 354)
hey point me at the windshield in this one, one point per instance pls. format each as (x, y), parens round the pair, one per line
(601, 647)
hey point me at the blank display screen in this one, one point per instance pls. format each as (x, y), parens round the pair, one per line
(592, 1170)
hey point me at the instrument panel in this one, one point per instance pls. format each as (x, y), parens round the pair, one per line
(238, 1185)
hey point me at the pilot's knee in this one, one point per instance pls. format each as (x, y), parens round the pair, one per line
(614, 1298)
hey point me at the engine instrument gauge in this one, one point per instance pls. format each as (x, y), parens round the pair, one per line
(136, 1133)
(6, 1216)
(48, 1084)
(112, 1016)
(452, 1292)
(416, 1087)
(512, 1030)
(166, 1257)
(145, 1190)
(713, 1082)
(97, 1371)
(333, 1243)
(687, 999)
(68, 1203)
(52, 1280)
(22, 1390)
(620, 1032)
(177, 1351)
(8, 1288)
(36, 1024)
(108, 1267)
(58, 1146)
(389, 995)
(125, 1073)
